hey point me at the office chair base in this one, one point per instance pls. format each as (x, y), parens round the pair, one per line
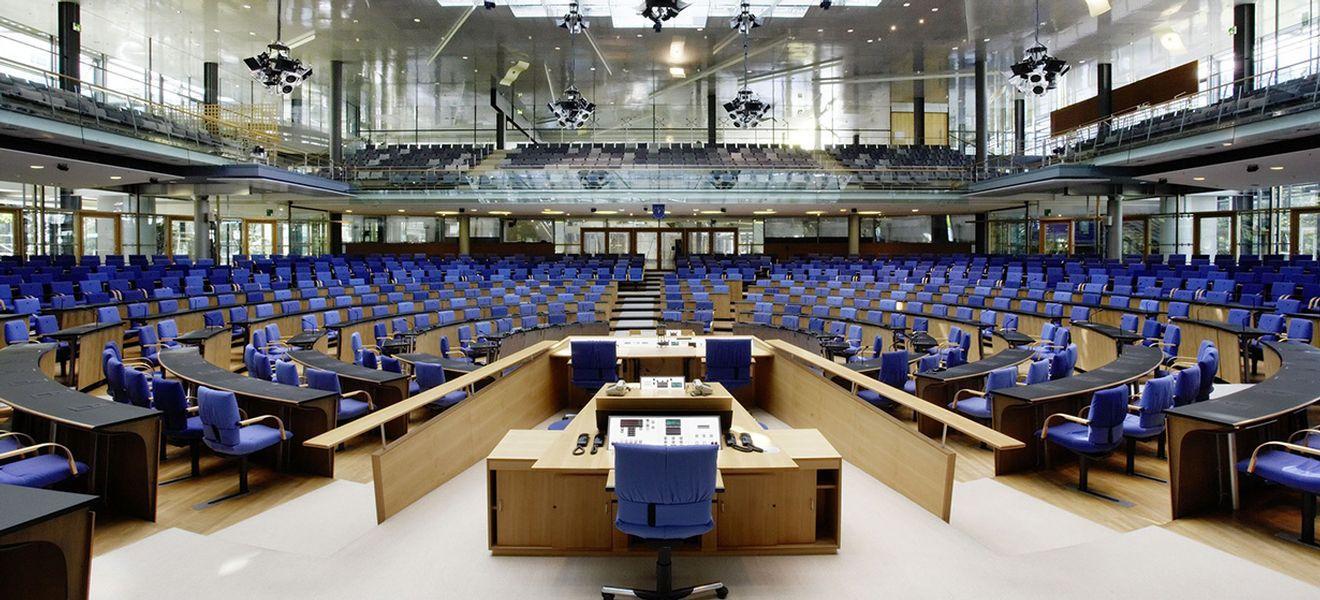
(609, 593)
(243, 488)
(1290, 537)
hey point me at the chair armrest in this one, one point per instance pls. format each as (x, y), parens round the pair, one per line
(963, 393)
(1182, 362)
(1251, 466)
(18, 434)
(68, 455)
(278, 423)
(371, 405)
(1045, 428)
(1305, 433)
(1083, 412)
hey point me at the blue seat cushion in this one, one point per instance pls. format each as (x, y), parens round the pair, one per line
(875, 398)
(1076, 437)
(1132, 428)
(560, 425)
(251, 439)
(9, 444)
(448, 400)
(414, 388)
(633, 518)
(350, 408)
(39, 471)
(910, 386)
(191, 431)
(976, 406)
(1287, 469)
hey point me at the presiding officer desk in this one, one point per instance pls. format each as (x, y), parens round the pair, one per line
(120, 443)
(546, 501)
(1199, 464)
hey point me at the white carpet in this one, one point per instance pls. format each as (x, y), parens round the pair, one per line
(891, 548)
(1010, 522)
(319, 523)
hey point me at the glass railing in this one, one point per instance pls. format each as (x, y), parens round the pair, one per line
(210, 129)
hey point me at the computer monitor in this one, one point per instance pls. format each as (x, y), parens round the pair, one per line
(672, 430)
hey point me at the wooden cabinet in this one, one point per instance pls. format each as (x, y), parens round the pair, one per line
(767, 509)
(534, 509)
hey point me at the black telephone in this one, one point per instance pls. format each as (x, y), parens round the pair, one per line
(597, 442)
(731, 441)
(581, 447)
(747, 441)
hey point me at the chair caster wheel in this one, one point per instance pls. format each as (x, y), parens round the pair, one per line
(722, 592)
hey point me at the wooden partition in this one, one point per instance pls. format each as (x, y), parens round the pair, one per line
(876, 442)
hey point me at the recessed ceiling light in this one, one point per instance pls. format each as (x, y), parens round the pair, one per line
(916, 210)
(850, 31)
(674, 71)
(1198, 178)
(551, 212)
(869, 212)
(117, 177)
(893, 27)
(1227, 144)
(768, 211)
(400, 210)
(820, 31)
(935, 9)
(816, 212)
(501, 213)
(416, 20)
(921, 21)
(464, 58)
(349, 211)
(1276, 168)
(446, 213)
(607, 212)
(38, 166)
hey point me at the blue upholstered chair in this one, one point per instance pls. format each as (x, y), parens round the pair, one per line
(1292, 465)
(1187, 385)
(179, 425)
(430, 375)
(1145, 420)
(893, 373)
(26, 464)
(225, 432)
(1207, 363)
(1092, 436)
(363, 353)
(1038, 372)
(729, 362)
(594, 364)
(665, 494)
(1299, 330)
(979, 404)
(352, 404)
(1168, 343)
(16, 332)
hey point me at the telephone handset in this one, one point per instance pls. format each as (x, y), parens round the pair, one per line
(619, 388)
(597, 442)
(700, 389)
(581, 447)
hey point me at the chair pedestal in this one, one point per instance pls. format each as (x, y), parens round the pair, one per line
(664, 584)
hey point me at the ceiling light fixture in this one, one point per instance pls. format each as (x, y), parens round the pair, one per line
(659, 11)
(500, 213)
(746, 109)
(38, 167)
(1276, 168)
(1038, 72)
(572, 21)
(117, 177)
(572, 110)
(1198, 178)
(275, 69)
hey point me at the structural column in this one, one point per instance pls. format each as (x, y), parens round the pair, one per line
(854, 235)
(981, 120)
(336, 112)
(70, 45)
(1104, 96)
(1244, 48)
(918, 98)
(464, 235)
(1114, 237)
(201, 227)
(712, 111)
(336, 233)
(1019, 126)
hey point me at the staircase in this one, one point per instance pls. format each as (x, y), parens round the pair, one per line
(638, 304)
(488, 164)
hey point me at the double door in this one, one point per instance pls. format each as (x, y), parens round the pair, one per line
(660, 246)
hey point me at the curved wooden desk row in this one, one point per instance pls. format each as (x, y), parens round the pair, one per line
(120, 443)
(1269, 410)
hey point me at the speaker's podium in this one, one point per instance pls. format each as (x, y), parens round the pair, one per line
(548, 498)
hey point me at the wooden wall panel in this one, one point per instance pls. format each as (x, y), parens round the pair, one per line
(1156, 89)
(871, 439)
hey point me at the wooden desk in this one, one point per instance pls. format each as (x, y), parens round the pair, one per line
(939, 388)
(642, 355)
(1269, 410)
(85, 345)
(45, 543)
(1230, 340)
(216, 344)
(1020, 411)
(305, 412)
(120, 443)
(385, 388)
(544, 501)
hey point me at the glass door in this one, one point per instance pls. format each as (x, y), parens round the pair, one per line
(620, 242)
(98, 233)
(724, 241)
(182, 233)
(11, 232)
(593, 241)
(1215, 234)
(1136, 236)
(698, 242)
(1056, 236)
(261, 238)
(1305, 239)
(648, 246)
(671, 245)
(230, 239)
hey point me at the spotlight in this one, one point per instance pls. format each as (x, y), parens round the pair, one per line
(825, 4)
(745, 21)
(276, 70)
(747, 109)
(573, 21)
(1038, 72)
(659, 11)
(572, 111)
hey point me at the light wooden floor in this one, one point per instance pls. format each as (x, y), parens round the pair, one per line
(1249, 534)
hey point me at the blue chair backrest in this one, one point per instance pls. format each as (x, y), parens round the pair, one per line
(1187, 386)
(894, 368)
(1172, 340)
(138, 387)
(1239, 316)
(1129, 322)
(1300, 330)
(664, 489)
(1156, 398)
(107, 314)
(170, 400)
(219, 413)
(320, 379)
(1038, 371)
(1108, 409)
(1001, 378)
(286, 373)
(16, 331)
(167, 329)
(428, 375)
(593, 362)
(729, 361)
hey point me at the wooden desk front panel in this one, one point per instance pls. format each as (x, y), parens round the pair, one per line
(217, 350)
(1232, 362)
(1094, 349)
(51, 560)
(88, 371)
